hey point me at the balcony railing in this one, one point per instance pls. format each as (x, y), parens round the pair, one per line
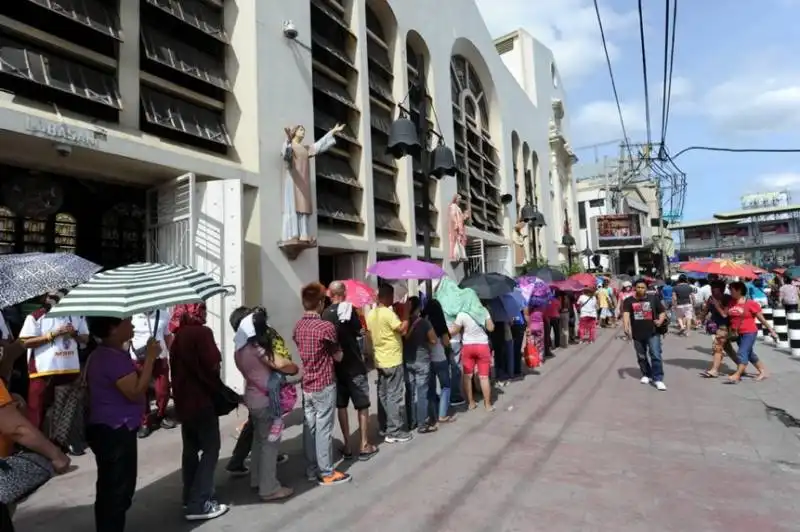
(733, 242)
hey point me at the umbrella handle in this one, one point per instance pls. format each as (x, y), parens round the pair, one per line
(230, 288)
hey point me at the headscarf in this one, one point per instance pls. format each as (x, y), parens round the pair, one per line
(187, 314)
(246, 330)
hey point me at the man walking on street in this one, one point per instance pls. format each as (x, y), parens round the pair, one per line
(642, 315)
(318, 346)
(683, 303)
(352, 384)
(386, 331)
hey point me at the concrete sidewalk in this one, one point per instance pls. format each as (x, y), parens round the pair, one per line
(581, 447)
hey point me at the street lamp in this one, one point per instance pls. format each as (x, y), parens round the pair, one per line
(409, 138)
(568, 241)
(531, 216)
(588, 253)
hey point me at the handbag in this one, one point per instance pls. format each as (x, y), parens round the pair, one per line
(225, 400)
(67, 416)
(533, 358)
(22, 474)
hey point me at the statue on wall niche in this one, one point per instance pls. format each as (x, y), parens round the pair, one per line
(297, 201)
(458, 231)
(522, 238)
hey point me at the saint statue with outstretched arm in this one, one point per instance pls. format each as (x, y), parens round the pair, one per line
(297, 200)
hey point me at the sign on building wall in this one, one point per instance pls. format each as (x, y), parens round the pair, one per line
(618, 231)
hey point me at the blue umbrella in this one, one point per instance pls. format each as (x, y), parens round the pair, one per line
(504, 308)
(28, 275)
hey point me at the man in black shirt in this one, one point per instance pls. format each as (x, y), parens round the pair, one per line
(643, 314)
(351, 372)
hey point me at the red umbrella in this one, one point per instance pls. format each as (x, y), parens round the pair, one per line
(587, 280)
(724, 267)
(359, 293)
(567, 286)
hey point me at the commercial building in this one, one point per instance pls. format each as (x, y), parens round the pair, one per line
(765, 236)
(152, 130)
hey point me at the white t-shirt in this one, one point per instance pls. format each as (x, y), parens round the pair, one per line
(59, 357)
(143, 329)
(704, 293)
(587, 306)
(471, 332)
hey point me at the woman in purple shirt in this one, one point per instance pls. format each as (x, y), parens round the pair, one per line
(116, 404)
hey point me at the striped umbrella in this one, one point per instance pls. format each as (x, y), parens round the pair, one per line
(136, 288)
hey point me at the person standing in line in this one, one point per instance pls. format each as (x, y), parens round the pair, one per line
(587, 312)
(553, 325)
(195, 361)
(385, 330)
(788, 295)
(439, 396)
(683, 298)
(743, 313)
(154, 324)
(475, 355)
(352, 384)
(417, 345)
(318, 345)
(454, 359)
(642, 316)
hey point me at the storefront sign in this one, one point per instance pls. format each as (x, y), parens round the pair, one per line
(59, 132)
(618, 231)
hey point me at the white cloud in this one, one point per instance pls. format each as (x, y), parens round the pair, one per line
(755, 105)
(781, 180)
(598, 121)
(568, 27)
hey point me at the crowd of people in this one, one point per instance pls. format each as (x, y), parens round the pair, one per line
(428, 364)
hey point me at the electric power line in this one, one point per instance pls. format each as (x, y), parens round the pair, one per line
(644, 73)
(736, 150)
(666, 72)
(613, 82)
(665, 121)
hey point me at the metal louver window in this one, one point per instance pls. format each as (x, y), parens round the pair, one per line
(384, 188)
(330, 14)
(184, 58)
(335, 169)
(178, 115)
(333, 89)
(325, 122)
(337, 208)
(418, 197)
(380, 87)
(318, 41)
(24, 61)
(387, 220)
(91, 13)
(380, 121)
(379, 154)
(195, 13)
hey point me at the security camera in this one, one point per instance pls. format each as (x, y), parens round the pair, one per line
(289, 30)
(64, 150)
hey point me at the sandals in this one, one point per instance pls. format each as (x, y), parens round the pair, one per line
(427, 429)
(280, 494)
(709, 375)
(367, 453)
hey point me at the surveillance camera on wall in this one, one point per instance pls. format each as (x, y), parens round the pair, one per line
(64, 150)
(289, 30)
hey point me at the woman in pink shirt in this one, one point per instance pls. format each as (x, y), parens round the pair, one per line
(553, 325)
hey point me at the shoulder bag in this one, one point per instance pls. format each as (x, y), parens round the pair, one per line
(22, 474)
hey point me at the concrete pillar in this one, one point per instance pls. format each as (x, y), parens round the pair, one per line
(793, 320)
(636, 263)
(128, 69)
(781, 327)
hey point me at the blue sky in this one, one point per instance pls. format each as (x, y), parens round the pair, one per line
(736, 83)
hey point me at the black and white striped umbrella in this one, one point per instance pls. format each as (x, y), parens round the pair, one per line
(136, 288)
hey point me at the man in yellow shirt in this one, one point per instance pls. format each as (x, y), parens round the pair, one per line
(604, 304)
(386, 331)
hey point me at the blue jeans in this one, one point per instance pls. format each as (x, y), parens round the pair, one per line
(418, 374)
(455, 373)
(439, 404)
(274, 383)
(652, 366)
(746, 342)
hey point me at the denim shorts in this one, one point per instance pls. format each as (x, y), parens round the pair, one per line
(746, 343)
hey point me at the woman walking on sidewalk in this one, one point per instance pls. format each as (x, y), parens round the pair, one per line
(743, 314)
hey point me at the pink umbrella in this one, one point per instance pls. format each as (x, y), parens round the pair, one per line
(567, 286)
(359, 293)
(406, 269)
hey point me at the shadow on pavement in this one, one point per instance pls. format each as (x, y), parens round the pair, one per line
(632, 373)
(688, 363)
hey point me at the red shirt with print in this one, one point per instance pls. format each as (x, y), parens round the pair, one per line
(742, 316)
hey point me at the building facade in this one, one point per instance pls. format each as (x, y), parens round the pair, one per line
(152, 130)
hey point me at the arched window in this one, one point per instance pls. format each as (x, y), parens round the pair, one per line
(65, 235)
(476, 156)
(34, 235)
(8, 230)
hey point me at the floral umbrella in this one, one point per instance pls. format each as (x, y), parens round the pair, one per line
(359, 293)
(534, 290)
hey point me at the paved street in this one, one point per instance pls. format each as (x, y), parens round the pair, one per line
(581, 447)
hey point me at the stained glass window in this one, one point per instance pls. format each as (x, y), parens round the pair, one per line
(66, 233)
(8, 230)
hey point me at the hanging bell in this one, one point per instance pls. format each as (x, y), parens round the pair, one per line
(443, 162)
(403, 139)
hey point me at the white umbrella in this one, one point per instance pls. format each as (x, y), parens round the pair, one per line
(136, 288)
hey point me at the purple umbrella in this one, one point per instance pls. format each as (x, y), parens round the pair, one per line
(406, 269)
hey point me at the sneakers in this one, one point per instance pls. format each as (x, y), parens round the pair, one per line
(400, 437)
(645, 380)
(211, 510)
(168, 424)
(335, 478)
(660, 386)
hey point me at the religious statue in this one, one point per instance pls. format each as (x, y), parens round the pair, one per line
(297, 201)
(522, 238)
(458, 233)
